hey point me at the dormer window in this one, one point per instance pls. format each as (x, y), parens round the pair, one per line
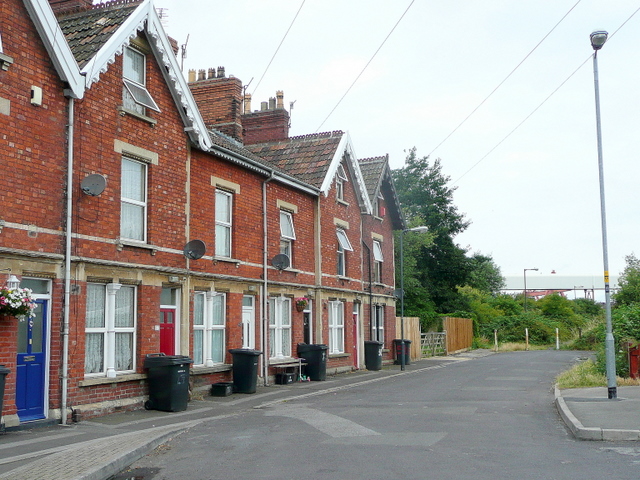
(135, 96)
(341, 178)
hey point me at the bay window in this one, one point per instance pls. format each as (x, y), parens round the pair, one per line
(279, 327)
(336, 327)
(209, 320)
(110, 324)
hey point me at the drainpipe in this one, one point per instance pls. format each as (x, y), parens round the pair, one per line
(370, 290)
(67, 267)
(264, 324)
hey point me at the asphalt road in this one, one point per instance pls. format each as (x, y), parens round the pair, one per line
(483, 418)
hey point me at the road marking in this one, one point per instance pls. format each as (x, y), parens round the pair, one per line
(332, 425)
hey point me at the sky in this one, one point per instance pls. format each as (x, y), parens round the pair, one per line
(501, 91)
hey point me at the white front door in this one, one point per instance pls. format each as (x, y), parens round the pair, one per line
(248, 322)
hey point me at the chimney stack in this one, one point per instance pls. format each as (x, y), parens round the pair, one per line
(269, 124)
(247, 103)
(219, 100)
(67, 6)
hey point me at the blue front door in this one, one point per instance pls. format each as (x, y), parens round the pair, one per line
(30, 369)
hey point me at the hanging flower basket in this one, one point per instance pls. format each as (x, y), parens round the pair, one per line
(17, 302)
(301, 303)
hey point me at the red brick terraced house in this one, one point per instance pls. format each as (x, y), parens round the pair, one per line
(180, 209)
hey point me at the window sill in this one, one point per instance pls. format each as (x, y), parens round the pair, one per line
(380, 219)
(130, 243)
(342, 202)
(201, 370)
(125, 111)
(339, 355)
(127, 377)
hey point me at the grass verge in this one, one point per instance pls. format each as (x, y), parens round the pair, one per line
(585, 374)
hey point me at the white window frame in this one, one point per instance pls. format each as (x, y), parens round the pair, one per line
(336, 327)
(110, 331)
(341, 179)
(287, 234)
(223, 244)
(209, 323)
(280, 327)
(377, 326)
(378, 260)
(140, 235)
(135, 95)
(343, 245)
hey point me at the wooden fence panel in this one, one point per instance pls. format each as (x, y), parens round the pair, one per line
(411, 332)
(459, 333)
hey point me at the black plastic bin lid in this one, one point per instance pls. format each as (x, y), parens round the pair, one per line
(162, 360)
(4, 370)
(245, 351)
(372, 342)
(305, 347)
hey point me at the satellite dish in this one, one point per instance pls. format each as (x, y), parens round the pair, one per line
(194, 249)
(281, 261)
(93, 185)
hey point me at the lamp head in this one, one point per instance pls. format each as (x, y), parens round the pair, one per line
(598, 39)
(13, 282)
(421, 229)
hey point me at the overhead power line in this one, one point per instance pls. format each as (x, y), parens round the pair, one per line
(541, 103)
(365, 67)
(281, 42)
(505, 79)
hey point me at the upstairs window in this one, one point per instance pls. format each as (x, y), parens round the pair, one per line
(133, 196)
(135, 96)
(343, 246)
(341, 178)
(287, 234)
(377, 261)
(224, 203)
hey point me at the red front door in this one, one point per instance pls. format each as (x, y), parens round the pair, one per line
(167, 331)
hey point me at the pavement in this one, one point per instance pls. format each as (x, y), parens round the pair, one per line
(100, 448)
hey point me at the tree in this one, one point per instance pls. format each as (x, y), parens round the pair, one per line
(629, 282)
(485, 275)
(441, 265)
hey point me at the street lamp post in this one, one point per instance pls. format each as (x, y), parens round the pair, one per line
(402, 343)
(525, 286)
(598, 39)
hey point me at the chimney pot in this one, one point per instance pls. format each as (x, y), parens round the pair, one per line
(220, 72)
(212, 73)
(247, 103)
(192, 75)
(280, 97)
(272, 103)
(264, 106)
(201, 75)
